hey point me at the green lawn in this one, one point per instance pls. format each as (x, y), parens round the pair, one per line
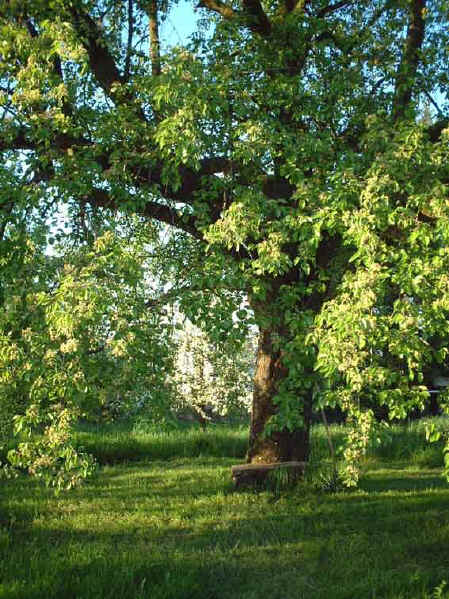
(173, 528)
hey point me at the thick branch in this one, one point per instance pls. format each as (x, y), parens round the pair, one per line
(19, 139)
(100, 59)
(252, 15)
(333, 7)
(155, 51)
(278, 187)
(296, 66)
(327, 253)
(172, 217)
(223, 9)
(129, 44)
(258, 20)
(408, 66)
(160, 212)
(298, 6)
(15, 140)
(435, 130)
(191, 181)
(289, 6)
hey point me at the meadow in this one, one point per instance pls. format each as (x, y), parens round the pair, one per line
(160, 519)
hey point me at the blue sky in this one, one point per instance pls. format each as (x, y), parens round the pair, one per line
(179, 25)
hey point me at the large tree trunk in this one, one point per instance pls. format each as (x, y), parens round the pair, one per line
(285, 445)
(282, 445)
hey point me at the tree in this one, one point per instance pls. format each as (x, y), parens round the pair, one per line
(212, 379)
(286, 140)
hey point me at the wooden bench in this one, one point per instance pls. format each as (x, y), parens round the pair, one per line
(256, 474)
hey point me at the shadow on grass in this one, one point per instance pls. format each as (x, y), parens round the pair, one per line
(173, 531)
(416, 481)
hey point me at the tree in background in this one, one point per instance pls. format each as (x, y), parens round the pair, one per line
(212, 380)
(286, 140)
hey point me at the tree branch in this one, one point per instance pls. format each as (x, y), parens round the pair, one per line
(252, 15)
(172, 217)
(330, 8)
(130, 39)
(223, 9)
(162, 213)
(299, 6)
(273, 187)
(155, 51)
(258, 20)
(100, 59)
(18, 138)
(435, 130)
(408, 66)
(434, 104)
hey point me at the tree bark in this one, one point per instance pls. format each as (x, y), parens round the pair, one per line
(284, 445)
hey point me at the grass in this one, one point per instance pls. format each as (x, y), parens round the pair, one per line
(170, 527)
(123, 442)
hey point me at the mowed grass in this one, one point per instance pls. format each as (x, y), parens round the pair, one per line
(174, 528)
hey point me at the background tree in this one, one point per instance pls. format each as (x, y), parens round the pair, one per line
(287, 141)
(212, 380)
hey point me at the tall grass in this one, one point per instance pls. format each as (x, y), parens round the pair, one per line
(405, 442)
(125, 442)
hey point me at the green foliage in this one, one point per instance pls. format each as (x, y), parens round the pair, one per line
(80, 338)
(51, 456)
